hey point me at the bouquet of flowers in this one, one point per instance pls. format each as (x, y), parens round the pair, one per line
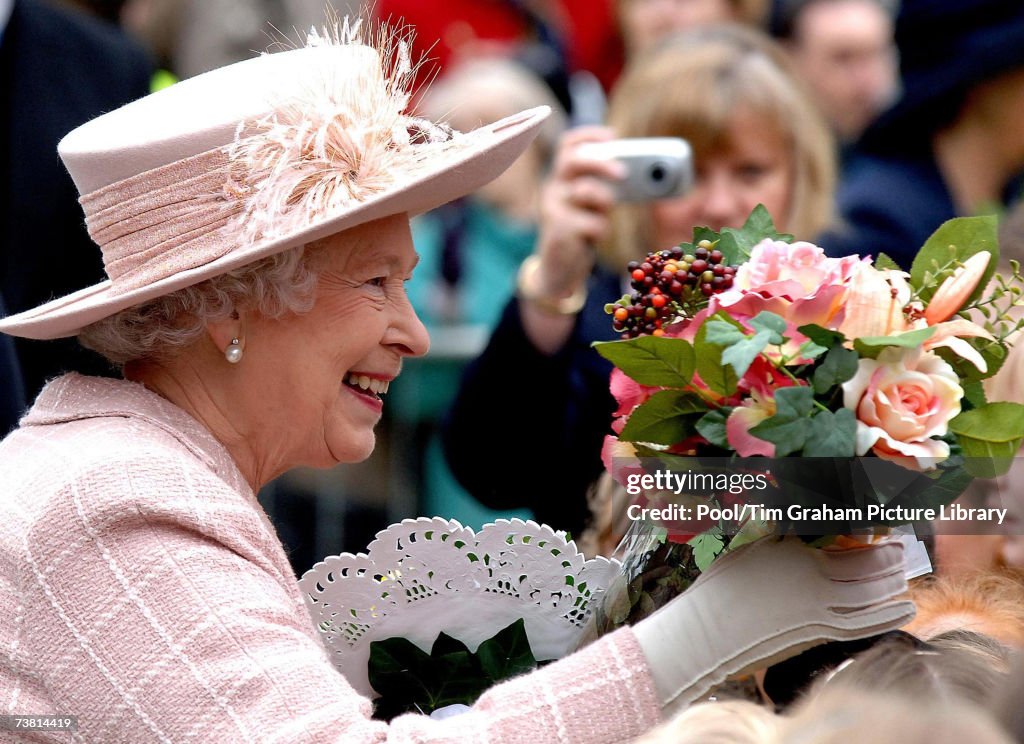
(861, 383)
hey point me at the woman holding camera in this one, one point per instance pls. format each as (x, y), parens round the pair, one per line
(756, 139)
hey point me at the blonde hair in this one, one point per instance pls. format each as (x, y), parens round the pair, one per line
(989, 602)
(693, 86)
(841, 715)
(159, 329)
(726, 722)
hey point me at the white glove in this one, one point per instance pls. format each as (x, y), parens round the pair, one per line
(764, 603)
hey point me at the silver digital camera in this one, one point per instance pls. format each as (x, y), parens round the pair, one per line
(657, 167)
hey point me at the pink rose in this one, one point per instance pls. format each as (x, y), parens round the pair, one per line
(792, 270)
(902, 400)
(795, 281)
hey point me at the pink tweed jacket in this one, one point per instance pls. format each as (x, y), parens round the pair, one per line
(143, 589)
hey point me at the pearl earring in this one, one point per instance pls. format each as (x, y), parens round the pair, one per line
(234, 352)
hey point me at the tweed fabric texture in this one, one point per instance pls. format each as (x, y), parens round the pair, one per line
(143, 589)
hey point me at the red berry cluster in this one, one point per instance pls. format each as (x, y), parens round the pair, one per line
(664, 279)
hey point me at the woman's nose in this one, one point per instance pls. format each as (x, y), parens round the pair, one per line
(719, 205)
(408, 333)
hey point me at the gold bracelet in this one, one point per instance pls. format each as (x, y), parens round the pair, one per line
(524, 289)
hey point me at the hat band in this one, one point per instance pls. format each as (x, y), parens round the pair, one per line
(164, 221)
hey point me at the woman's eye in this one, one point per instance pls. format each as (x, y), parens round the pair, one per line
(752, 171)
(378, 281)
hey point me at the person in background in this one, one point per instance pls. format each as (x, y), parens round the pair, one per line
(643, 23)
(952, 144)
(844, 51)
(58, 69)
(470, 251)
(756, 138)
(984, 601)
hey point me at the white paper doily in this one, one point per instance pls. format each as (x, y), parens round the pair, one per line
(424, 576)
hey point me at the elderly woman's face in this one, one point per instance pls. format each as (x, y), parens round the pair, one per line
(320, 374)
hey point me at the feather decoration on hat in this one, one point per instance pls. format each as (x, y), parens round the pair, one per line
(341, 139)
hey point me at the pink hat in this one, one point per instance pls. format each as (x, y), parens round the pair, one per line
(249, 160)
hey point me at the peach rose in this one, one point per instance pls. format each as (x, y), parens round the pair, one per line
(902, 400)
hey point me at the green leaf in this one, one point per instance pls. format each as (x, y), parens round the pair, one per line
(759, 225)
(507, 654)
(810, 350)
(838, 366)
(741, 354)
(667, 417)
(717, 375)
(410, 680)
(711, 426)
(766, 321)
(884, 262)
(652, 360)
(723, 333)
(991, 351)
(974, 394)
(706, 547)
(788, 428)
(955, 240)
(995, 422)
(832, 434)
(990, 436)
(402, 675)
(822, 336)
(870, 346)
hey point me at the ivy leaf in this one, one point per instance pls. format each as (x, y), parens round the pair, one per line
(810, 350)
(711, 426)
(759, 225)
(667, 417)
(838, 366)
(410, 680)
(822, 336)
(651, 360)
(507, 654)
(402, 675)
(788, 428)
(741, 354)
(723, 333)
(706, 547)
(832, 434)
(775, 324)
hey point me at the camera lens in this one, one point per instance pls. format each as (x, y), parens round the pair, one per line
(661, 179)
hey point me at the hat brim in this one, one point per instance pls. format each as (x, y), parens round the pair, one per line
(490, 151)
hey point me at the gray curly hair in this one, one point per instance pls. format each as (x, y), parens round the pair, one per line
(160, 329)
